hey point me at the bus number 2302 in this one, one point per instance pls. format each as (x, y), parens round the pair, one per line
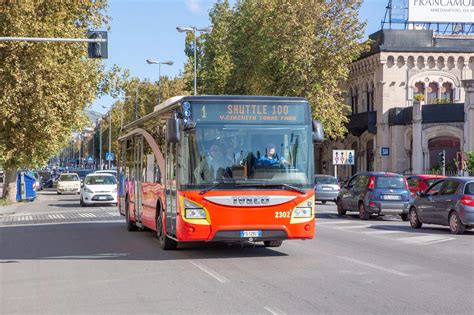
(282, 214)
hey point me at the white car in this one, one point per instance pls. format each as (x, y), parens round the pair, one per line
(68, 183)
(99, 188)
(112, 172)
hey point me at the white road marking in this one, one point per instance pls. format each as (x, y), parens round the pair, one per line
(87, 215)
(360, 262)
(382, 232)
(93, 256)
(114, 214)
(211, 272)
(61, 223)
(424, 239)
(274, 311)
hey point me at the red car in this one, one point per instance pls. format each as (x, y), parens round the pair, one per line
(421, 182)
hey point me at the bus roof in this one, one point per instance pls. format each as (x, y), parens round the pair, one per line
(175, 101)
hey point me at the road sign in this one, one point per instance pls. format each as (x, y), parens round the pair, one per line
(90, 159)
(384, 151)
(343, 157)
(109, 156)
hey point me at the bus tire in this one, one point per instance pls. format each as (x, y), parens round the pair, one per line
(166, 243)
(275, 243)
(131, 226)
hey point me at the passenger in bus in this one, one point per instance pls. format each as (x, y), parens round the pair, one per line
(212, 166)
(271, 158)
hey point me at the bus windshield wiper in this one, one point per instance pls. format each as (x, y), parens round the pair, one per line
(216, 184)
(264, 183)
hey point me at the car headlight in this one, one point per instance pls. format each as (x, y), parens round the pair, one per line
(193, 210)
(114, 191)
(87, 190)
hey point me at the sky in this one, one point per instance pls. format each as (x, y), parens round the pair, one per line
(146, 29)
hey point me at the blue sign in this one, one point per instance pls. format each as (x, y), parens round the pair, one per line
(350, 158)
(384, 151)
(187, 113)
(186, 105)
(109, 156)
(90, 158)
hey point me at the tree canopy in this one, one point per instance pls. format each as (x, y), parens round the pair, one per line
(285, 47)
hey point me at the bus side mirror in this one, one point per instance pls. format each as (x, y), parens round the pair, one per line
(318, 132)
(172, 130)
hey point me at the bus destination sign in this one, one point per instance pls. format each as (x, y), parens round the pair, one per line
(252, 113)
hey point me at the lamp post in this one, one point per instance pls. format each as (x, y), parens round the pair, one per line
(159, 63)
(193, 29)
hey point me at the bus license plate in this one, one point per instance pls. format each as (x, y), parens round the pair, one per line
(250, 233)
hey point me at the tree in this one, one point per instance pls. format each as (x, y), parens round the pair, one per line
(44, 87)
(286, 47)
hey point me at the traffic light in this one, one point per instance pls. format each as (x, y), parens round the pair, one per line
(97, 49)
(442, 158)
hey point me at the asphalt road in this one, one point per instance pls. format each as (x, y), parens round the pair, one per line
(77, 263)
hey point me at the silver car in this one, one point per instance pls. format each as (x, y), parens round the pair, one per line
(449, 202)
(326, 188)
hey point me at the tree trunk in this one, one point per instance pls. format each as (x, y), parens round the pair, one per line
(9, 185)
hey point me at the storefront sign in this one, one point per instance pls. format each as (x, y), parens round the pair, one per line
(441, 11)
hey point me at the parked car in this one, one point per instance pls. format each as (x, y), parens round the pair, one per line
(326, 188)
(68, 183)
(99, 189)
(375, 193)
(47, 178)
(421, 182)
(448, 202)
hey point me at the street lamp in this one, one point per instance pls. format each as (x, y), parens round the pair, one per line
(193, 29)
(159, 63)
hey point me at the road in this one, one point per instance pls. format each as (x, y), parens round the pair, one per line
(57, 257)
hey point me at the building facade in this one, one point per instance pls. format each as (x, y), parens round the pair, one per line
(407, 96)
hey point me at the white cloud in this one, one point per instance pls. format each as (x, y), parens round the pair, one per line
(194, 6)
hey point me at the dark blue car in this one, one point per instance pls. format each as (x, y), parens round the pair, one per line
(375, 193)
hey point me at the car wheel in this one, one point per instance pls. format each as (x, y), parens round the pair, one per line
(455, 224)
(324, 202)
(340, 210)
(275, 243)
(131, 226)
(363, 214)
(404, 217)
(414, 220)
(82, 203)
(166, 243)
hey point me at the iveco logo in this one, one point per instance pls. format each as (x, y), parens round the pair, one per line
(250, 200)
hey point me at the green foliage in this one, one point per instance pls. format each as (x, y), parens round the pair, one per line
(285, 47)
(470, 161)
(419, 97)
(441, 101)
(44, 87)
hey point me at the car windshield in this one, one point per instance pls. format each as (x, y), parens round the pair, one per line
(325, 180)
(100, 180)
(469, 190)
(390, 182)
(274, 154)
(68, 177)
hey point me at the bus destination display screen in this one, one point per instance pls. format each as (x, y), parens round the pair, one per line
(289, 113)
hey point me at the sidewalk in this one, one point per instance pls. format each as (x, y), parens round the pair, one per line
(10, 209)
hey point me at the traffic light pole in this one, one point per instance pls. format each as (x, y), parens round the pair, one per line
(444, 163)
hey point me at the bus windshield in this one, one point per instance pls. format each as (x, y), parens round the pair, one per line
(237, 154)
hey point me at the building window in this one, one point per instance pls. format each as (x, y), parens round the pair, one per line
(447, 92)
(433, 89)
(370, 155)
(419, 89)
(371, 98)
(354, 100)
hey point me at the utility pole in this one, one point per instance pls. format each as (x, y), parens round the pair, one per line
(100, 145)
(110, 134)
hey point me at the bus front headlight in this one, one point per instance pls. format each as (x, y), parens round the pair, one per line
(303, 212)
(193, 210)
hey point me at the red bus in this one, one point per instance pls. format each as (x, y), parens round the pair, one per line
(221, 168)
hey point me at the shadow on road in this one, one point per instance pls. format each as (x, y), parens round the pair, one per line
(109, 241)
(65, 205)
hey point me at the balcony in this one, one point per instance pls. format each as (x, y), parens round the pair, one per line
(358, 123)
(431, 113)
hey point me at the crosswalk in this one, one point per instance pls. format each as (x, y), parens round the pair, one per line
(396, 231)
(72, 216)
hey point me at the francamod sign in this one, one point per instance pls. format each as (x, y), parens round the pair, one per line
(441, 11)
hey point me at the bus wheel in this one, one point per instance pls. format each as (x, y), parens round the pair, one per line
(166, 243)
(130, 225)
(272, 243)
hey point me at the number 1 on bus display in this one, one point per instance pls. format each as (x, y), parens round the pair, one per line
(203, 111)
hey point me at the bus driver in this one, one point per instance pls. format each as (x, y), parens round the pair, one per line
(270, 157)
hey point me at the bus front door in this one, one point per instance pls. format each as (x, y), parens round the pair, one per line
(138, 157)
(171, 206)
